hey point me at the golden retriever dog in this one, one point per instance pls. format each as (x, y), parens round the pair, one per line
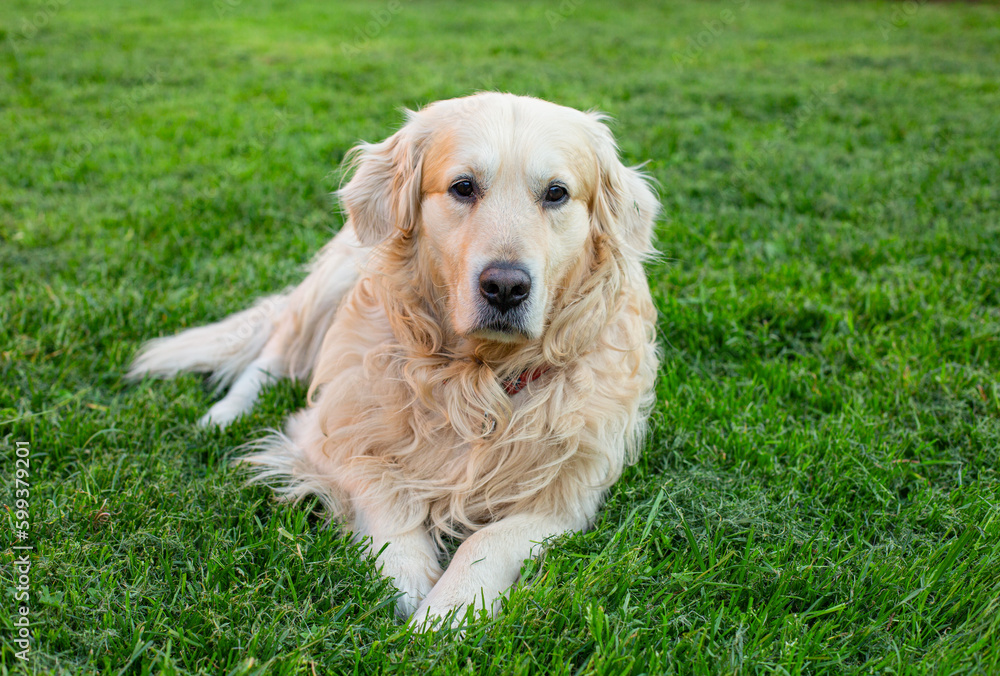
(480, 342)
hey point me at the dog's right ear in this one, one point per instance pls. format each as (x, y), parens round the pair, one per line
(383, 195)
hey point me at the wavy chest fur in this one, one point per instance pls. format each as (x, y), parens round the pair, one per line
(442, 437)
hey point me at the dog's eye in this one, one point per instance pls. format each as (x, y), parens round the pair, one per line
(463, 189)
(556, 193)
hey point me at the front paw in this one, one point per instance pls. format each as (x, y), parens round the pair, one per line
(430, 616)
(413, 590)
(449, 604)
(413, 576)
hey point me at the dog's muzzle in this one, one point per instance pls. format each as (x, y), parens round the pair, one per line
(506, 288)
(504, 285)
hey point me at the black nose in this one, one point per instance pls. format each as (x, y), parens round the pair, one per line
(504, 286)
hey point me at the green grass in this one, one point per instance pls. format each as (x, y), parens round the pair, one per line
(820, 492)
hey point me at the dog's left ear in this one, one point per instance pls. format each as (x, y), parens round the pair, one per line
(625, 205)
(383, 195)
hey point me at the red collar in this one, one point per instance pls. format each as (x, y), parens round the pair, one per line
(515, 385)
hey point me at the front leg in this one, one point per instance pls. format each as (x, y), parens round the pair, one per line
(489, 562)
(409, 558)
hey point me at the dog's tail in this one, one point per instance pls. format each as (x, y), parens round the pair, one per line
(281, 462)
(224, 349)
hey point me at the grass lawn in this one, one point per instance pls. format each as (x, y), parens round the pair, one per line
(821, 490)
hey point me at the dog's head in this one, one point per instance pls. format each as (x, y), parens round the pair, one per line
(503, 202)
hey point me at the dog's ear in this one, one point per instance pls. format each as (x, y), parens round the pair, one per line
(625, 205)
(383, 195)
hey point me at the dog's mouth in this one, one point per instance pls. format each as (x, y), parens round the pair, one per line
(502, 327)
